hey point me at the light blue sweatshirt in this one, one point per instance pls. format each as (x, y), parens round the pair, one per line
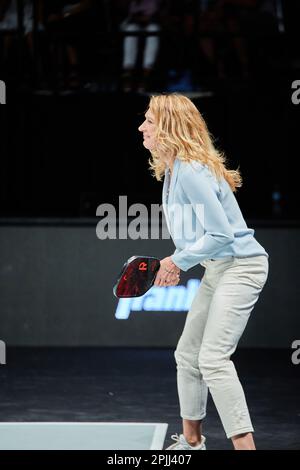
(203, 217)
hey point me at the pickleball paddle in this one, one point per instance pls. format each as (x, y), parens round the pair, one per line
(137, 276)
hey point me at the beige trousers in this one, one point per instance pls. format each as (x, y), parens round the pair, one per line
(214, 324)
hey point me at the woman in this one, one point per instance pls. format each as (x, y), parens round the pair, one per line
(236, 265)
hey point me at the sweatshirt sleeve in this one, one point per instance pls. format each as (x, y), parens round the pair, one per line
(217, 232)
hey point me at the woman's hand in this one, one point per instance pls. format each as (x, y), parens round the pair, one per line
(168, 273)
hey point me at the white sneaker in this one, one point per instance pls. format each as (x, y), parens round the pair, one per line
(182, 444)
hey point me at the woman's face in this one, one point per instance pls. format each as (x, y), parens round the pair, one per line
(148, 129)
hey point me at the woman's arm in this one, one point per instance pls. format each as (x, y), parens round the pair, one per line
(217, 232)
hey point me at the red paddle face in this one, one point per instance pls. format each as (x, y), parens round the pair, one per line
(137, 276)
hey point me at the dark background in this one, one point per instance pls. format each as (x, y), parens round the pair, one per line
(56, 290)
(65, 150)
(69, 142)
(64, 158)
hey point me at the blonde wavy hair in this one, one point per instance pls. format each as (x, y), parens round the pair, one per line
(181, 132)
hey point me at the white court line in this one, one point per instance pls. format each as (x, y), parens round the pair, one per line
(159, 436)
(96, 423)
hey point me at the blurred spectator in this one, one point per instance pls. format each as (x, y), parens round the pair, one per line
(267, 51)
(180, 45)
(9, 27)
(9, 15)
(142, 15)
(269, 16)
(231, 26)
(66, 20)
(216, 18)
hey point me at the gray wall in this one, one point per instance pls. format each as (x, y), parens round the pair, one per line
(56, 289)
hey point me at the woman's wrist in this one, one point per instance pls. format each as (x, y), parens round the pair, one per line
(171, 267)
